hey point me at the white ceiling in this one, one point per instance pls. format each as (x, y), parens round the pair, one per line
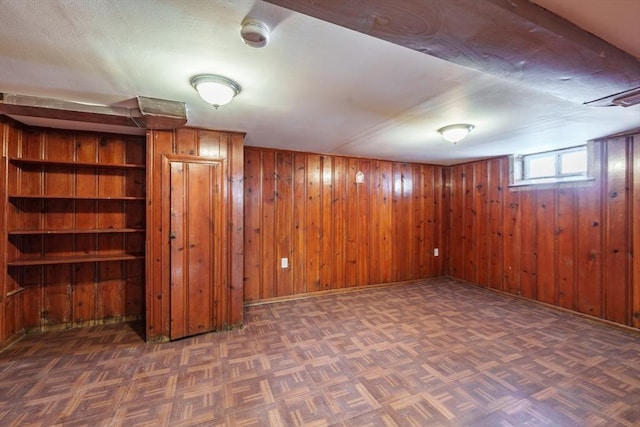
(316, 87)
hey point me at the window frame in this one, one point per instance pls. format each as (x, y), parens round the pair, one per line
(519, 167)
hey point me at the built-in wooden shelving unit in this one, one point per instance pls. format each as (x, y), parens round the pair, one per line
(75, 226)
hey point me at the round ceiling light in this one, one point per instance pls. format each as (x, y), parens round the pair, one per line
(215, 90)
(455, 133)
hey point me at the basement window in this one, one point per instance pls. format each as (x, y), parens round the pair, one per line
(566, 165)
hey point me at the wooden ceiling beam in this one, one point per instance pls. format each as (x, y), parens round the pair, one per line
(513, 39)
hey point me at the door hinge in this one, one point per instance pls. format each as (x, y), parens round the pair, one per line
(172, 235)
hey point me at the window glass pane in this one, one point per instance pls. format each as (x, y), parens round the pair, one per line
(574, 162)
(565, 165)
(542, 166)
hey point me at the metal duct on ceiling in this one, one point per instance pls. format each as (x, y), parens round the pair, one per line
(151, 113)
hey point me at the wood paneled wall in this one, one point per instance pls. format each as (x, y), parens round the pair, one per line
(569, 245)
(635, 225)
(57, 215)
(224, 146)
(334, 232)
(10, 303)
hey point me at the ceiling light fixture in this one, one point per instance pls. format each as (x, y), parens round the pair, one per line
(215, 90)
(455, 133)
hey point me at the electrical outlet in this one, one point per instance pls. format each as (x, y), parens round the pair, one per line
(436, 252)
(284, 262)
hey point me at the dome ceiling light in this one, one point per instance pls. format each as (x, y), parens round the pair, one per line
(214, 89)
(455, 133)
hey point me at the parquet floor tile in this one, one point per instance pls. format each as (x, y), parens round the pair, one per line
(434, 353)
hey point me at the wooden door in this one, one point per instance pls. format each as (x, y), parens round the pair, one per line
(195, 251)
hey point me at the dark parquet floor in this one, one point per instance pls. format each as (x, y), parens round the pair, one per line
(438, 352)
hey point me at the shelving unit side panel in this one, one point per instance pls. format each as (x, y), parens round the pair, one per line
(6, 327)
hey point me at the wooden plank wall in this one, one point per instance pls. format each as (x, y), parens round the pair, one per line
(226, 146)
(569, 245)
(336, 233)
(66, 295)
(10, 326)
(635, 224)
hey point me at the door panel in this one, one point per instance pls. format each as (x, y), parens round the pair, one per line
(195, 201)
